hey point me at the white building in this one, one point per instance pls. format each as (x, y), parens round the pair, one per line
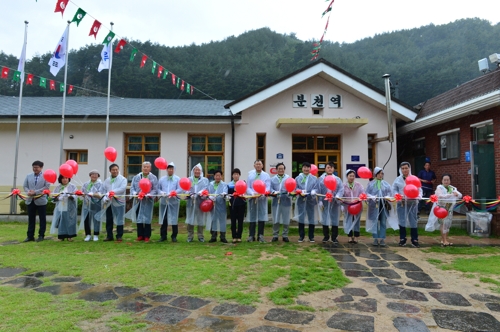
(319, 113)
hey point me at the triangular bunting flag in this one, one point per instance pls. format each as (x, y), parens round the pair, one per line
(61, 87)
(173, 79)
(95, 29)
(5, 72)
(153, 69)
(61, 6)
(43, 82)
(178, 82)
(52, 85)
(108, 38)
(182, 86)
(133, 54)
(70, 89)
(17, 76)
(144, 59)
(160, 71)
(121, 44)
(79, 15)
(188, 88)
(165, 73)
(30, 79)
(192, 89)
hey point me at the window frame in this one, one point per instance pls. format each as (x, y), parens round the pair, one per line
(143, 153)
(448, 135)
(79, 152)
(206, 153)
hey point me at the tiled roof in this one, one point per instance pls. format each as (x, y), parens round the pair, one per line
(467, 91)
(122, 107)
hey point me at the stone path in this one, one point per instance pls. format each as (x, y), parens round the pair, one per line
(392, 289)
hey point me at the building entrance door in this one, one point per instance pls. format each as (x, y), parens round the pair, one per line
(483, 171)
(324, 158)
(318, 150)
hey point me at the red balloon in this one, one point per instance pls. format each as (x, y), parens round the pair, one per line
(206, 205)
(314, 170)
(364, 172)
(240, 187)
(330, 182)
(73, 164)
(411, 191)
(259, 186)
(50, 176)
(440, 212)
(185, 183)
(412, 179)
(66, 171)
(145, 185)
(110, 153)
(290, 184)
(161, 163)
(355, 209)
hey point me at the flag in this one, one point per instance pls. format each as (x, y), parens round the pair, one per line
(17, 76)
(43, 82)
(95, 29)
(61, 87)
(79, 15)
(153, 69)
(58, 59)
(105, 59)
(52, 85)
(165, 73)
(192, 89)
(109, 38)
(30, 79)
(121, 44)
(182, 86)
(173, 79)
(160, 71)
(70, 89)
(133, 54)
(5, 72)
(22, 61)
(61, 6)
(188, 88)
(144, 59)
(178, 81)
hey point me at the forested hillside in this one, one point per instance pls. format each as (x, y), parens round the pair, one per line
(423, 62)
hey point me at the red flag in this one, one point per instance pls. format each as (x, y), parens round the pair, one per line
(160, 71)
(192, 89)
(121, 44)
(61, 6)
(144, 59)
(52, 85)
(95, 29)
(182, 85)
(70, 89)
(5, 72)
(30, 79)
(173, 79)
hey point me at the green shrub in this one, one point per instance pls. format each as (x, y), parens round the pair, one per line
(50, 207)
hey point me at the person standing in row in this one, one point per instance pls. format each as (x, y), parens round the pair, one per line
(91, 206)
(142, 210)
(427, 178)
(352, 190)
(168, 188)
(378, 207)
(114, 206)
(407, 208)
(306, 201)
(281, 203)
(36, 202)
(65, 211)
(237, 206)
(330, 209)
(257, 206)
(218, 191)
(194, 215)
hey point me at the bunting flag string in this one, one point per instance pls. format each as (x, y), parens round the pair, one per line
(80, 14)
(317, 46)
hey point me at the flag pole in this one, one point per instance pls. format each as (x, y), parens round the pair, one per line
(13, 200)
(109, 92)
(61, 152)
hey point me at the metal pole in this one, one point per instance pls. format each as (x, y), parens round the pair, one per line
(13, 200)
(388, 106)
(107, 109)
(61, 152)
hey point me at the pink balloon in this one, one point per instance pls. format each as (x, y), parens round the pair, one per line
(314, 170)
(73, 164)
(110, 154)
(66, 171)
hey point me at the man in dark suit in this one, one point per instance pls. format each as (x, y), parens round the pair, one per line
(34, 185)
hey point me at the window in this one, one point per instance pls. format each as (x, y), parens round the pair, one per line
(371, 152)
(80, 156)
(314, 143)
(207, 150)
(450, 145)
(484, 132)
(138, 149)
(261, 149)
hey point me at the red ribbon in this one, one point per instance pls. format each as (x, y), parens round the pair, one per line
(111, 194)
(362, 197)
(467, 199)
(204, 193)
(267, 193)
(15, 192)
(434, 198)
(298, 191)
(141, 195)
(398, 197)
(328, 197)
(172, 194)
(78, 193)
(46, 192)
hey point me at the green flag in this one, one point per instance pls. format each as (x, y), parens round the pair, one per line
(165, 73)
(79, 15)
(188, 88)
(153, 69)
(132, 55)
(43, 82)
(178, 82)
(108, 38)
(17, 76)
(61, 87)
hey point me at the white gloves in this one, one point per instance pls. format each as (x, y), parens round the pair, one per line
(320, 204)
(212, 198)
(313, 192)
(105, 199)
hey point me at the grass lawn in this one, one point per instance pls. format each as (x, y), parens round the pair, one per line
(247, 273)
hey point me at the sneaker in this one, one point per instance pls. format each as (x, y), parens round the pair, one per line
(382, 243)
(162, 240)
(261, 239)
(285, 239)
(335, 241)
(87, 238)
(146, 239)
(402, 242)
(235, 240)
(139, 239)
(201, 240)
(40, 239)
(174, 239)
(415, 244)
(119, 240)
(275, 239)
(189, 240)
(29, 239)
(250, 239)
(375, 242)
(239, 240)
(96, 238)
(301, 239)
(311, 239)
(223, 240)
(325, 239)
(212, 240)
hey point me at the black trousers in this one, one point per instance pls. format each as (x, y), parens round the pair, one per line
(87, 226)
(42, 212)
(413, 233)
(302, 232)
(109, 225)
(335, 232)
(143, 230)
(237, 216)
(356, 234)
(164, 226)
(260, 229)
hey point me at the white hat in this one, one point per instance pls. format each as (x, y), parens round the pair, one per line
(377, 170)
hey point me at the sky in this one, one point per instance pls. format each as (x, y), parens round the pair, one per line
(178, 23)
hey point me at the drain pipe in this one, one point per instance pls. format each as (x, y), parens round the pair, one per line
(232, 145)
(390, 135)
